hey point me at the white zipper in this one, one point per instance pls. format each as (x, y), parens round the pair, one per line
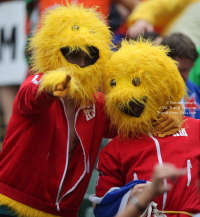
(88, 165)
(135, 176)
(84, 172)
(161, 164)
(66, 165)
(189, 166)
(84, 162)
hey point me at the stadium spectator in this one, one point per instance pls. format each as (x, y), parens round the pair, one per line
(170, 16)
(184, 52)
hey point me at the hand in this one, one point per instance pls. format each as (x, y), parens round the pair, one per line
(57, 83)
(151, 190)
(137, 189)
(139, 27)
(62, 89)
(167, 171)
(169, 124)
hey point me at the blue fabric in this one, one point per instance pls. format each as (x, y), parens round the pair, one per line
(6, 211)
(110, 204)
(117, 39)
(192, 105)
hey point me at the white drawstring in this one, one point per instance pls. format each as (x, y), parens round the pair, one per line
(152, 210)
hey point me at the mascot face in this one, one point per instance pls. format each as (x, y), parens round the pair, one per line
(70, 32)
(140, 81)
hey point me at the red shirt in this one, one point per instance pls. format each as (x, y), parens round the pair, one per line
(122, 161)
(34, 157)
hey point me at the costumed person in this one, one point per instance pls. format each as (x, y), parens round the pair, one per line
(58, 119)
(141, 81)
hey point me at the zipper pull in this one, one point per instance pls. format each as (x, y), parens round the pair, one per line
(189, 164)
(189, 167)
(58, 208)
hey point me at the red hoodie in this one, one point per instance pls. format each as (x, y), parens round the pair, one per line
(34, 157)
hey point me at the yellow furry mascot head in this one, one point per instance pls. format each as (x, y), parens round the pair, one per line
(140, 81)
(66, 30)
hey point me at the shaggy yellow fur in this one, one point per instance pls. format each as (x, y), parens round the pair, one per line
(161, 83)
(22, 210)
(51, 79)
(57, 31)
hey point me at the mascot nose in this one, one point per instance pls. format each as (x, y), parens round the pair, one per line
(137, 107)
(134, 108)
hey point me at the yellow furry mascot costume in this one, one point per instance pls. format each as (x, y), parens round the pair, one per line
(65, 31)
(137, 93)
(140, 82)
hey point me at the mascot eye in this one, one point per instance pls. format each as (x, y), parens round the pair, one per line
(113, 83)
(75, 28)
(136, 82)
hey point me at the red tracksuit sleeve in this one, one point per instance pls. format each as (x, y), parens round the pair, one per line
(109, 170)
(109, 130)
(29, 101)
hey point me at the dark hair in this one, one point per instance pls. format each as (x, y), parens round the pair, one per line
(180, 46)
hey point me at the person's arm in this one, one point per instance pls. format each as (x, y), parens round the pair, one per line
(109, 131)
(153, 13)
(39, 91)
(152, 190)
(108, 166)
(28, 99)
(170, 122)
(112, 193)
(58, 83)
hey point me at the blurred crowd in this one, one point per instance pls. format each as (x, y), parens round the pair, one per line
(173, 23)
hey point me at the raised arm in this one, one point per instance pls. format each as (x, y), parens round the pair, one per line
(109, 171)
(28, 99)
(155, 188)
(153, 13)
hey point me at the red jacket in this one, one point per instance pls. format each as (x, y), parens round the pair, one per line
(122, 161)
(33, 161)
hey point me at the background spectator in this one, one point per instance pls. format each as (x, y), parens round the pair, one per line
(170, 16)
(184, 52)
